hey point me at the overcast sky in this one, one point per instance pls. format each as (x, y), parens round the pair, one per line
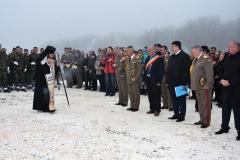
(33, 22)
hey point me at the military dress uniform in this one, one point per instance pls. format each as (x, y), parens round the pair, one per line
(134, 70)
(202, 83)
(167, 103)
(121, 77)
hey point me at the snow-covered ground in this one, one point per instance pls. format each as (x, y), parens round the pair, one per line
(95, 129)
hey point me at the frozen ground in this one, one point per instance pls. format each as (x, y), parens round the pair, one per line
(95, 129)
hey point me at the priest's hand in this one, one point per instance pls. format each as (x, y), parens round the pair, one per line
(50, 61)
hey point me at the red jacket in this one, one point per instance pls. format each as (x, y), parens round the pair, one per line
(109, 61)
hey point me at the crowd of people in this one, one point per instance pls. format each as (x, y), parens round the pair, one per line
(166, 78)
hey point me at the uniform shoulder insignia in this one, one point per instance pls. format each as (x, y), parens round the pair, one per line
(205, 56)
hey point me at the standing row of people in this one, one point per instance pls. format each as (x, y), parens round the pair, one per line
(152, 71)
(17, 69)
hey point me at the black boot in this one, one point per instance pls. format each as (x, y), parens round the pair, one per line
(6, 90)
(221, 131)
(238, 136)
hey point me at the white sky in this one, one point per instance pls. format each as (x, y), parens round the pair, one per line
(31, 23)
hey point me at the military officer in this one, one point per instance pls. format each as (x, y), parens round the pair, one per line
(167, 104)
(134, 70)
(121, 77)
(202, 83)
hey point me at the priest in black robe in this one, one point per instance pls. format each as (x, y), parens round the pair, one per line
(41, 92)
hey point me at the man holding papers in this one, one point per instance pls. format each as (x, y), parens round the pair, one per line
(178, 74)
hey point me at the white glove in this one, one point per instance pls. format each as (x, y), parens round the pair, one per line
(16, 63)
(74, 67)
(43, 62)
(8, 69)
(33, 63)
(25, 70)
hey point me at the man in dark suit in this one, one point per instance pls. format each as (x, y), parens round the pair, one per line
(154, 71)
(178, 74)
(230, 81)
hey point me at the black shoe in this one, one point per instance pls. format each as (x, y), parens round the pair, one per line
(17, 89)
(173, 117)
(107, 94)
(52, 111)
(221, 131)
(156, 114)
(24, 90)
(111, 95)
(6, 90)
(215, 100)
(171, 109)
(238, 136)
(124, 105)
(129, 109)
(164, 107)
(118, 104)
(198, 123)
(180, 119)
(150, 112)
(134, 110)
(204, 125)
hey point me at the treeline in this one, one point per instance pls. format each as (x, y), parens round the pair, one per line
(210, 31)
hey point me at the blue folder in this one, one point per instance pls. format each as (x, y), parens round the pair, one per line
(181, 91)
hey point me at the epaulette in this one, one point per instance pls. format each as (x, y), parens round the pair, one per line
(205, 56)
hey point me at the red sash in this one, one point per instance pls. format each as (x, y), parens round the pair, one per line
(152, 61)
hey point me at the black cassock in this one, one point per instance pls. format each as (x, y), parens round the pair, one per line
(41, 93)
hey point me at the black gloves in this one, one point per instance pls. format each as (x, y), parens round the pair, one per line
(50, 49)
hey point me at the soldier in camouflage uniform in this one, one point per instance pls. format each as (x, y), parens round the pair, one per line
(32, 66)
(27, 68)
(134, 70)
(67, 60)
(10, 75)
(3, 70)
(18, 67)
(121, 77)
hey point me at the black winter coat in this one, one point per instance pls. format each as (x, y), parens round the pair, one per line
(41, 93)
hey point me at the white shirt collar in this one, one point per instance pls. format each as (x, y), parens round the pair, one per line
(178, 52)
